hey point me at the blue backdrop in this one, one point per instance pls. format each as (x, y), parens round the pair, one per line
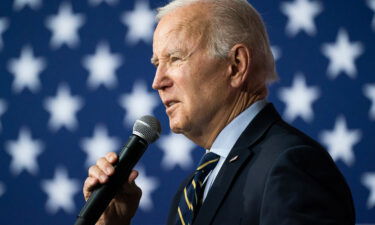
(74, 75)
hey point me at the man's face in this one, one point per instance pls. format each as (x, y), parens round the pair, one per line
(191, 83)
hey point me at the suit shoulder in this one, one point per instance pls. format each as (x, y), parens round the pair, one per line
(287, 136)
(285, 146)
(295, 162)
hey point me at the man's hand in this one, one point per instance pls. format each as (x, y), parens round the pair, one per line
(123, 207)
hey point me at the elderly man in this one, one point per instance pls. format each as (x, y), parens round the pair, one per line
(213, 65)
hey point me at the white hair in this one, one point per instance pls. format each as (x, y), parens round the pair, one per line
(233, 22)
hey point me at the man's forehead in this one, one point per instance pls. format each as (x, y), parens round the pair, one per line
(192, 27)
(180, 31)
(177, 42)
(191, 18)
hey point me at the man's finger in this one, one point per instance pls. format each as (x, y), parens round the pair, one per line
(133, 175)
(89, 186)
(105, 166)
(97, 173)
(111, 157)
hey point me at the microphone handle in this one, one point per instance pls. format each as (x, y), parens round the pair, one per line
(102, 196)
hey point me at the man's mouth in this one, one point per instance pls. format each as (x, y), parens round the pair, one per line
(169, 104)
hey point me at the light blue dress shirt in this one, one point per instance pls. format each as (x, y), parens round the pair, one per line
(226, 139)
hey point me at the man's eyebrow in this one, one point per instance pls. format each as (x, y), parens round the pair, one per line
(176, 51)
(154, 59)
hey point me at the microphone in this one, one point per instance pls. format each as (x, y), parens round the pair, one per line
(145, 131)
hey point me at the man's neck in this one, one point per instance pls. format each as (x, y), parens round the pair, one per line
(243, 101)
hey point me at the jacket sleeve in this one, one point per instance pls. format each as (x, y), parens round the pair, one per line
(304, 187)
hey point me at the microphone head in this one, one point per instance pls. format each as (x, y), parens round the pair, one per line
(148, 128)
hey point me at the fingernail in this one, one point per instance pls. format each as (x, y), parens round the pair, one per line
(111, 158)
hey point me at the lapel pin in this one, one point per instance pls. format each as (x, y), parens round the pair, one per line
(233, 159)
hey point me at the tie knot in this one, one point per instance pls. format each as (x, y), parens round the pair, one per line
(208, 161)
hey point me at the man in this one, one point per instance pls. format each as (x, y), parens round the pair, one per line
(213, 64)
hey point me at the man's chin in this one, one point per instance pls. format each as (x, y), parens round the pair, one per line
(176, 130)
(175, 126)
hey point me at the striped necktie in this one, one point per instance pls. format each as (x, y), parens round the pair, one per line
(192, 195)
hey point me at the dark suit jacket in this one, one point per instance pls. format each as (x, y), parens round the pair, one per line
(281, 177)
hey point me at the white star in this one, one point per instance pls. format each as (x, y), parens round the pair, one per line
(98, 2)
(102, 66)
(60, 191)
(98, 145)
(340, 141)
(138, 103)
(301, 15)
(342, 55)
(4, 23)
(368, 180)
(276, 52)
(26, 70)
(371, 5)
(177, 151)
(140, 23)
(148, 185)
(63, 108)
(24, 152)
(34, 4)
(2, 188)
(64, 27)
(3, 108)
(369, 91)
(299, 99)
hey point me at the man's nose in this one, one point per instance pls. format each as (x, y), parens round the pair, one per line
(161, 79)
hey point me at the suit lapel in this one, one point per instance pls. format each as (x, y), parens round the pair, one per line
(237, 158)
(221, 185)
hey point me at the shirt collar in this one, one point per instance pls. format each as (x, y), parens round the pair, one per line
(226, 139)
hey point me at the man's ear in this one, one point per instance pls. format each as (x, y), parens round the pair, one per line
(240, 59)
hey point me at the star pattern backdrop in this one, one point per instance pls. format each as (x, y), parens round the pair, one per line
(74, 76)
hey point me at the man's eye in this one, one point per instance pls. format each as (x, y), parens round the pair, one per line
(174, 59)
